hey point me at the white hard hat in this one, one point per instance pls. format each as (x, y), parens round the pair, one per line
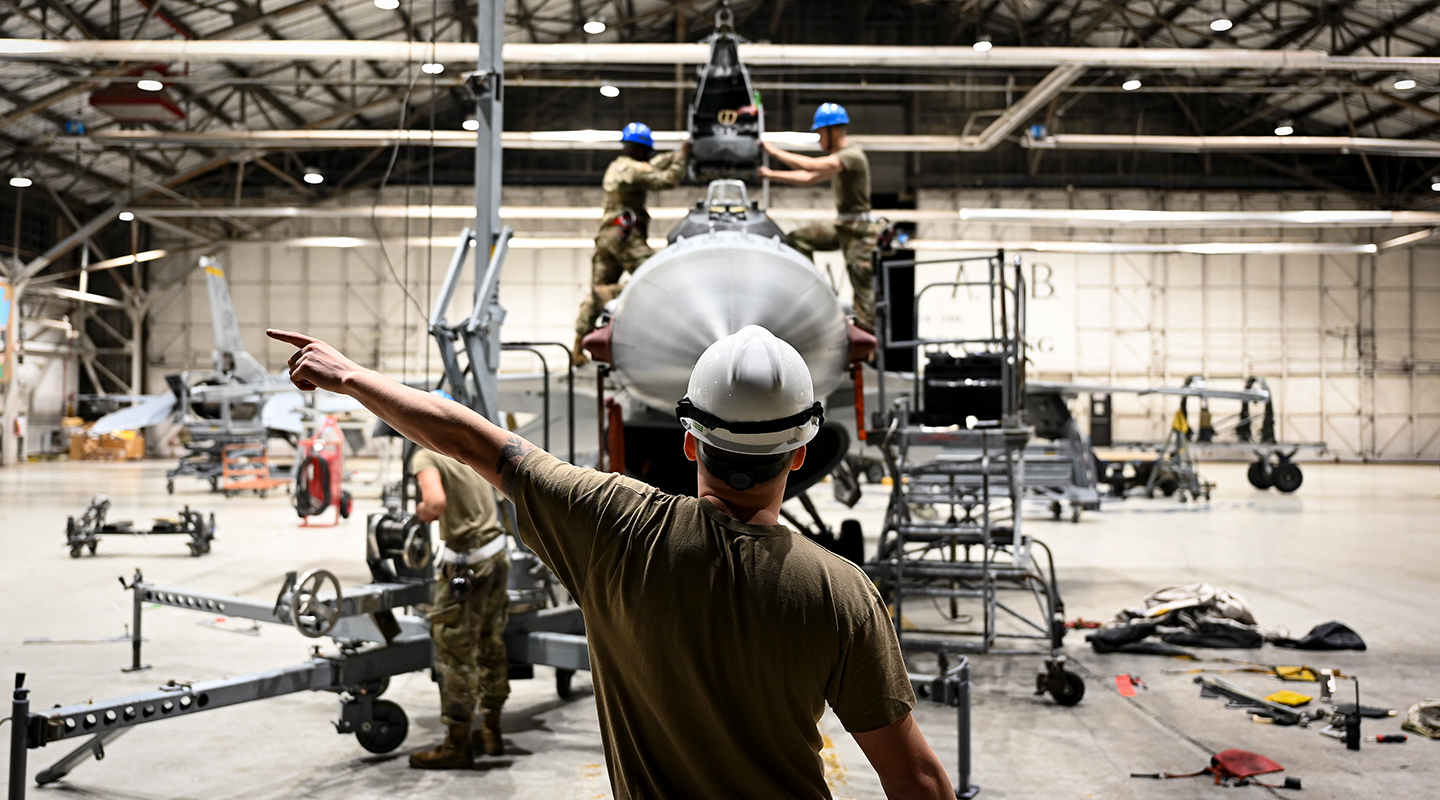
(751, 393)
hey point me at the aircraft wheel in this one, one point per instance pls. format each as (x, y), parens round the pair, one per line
(1288, 477)
(1258, 475)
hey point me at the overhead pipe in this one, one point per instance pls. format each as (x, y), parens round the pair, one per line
(542, 242)
(1040, 217)
(755, 55)
(1345, 145)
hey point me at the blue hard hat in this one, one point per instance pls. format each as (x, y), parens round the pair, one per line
(829, 114)
(442, 393)
(639, 133)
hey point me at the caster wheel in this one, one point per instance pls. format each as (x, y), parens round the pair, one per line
(214, 484)
(1288, 477)
(1055, 510)
(263, 494)
(562, 683)
(75, 551)
(1066, 687)
(386, 731)
(1075, 514)
(170, 487)
(196, 551)
(875, 473)
(1259, 476)
(347, 504)
(91, 547)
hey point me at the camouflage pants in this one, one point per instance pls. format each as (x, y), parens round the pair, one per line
(857, 240)
(470, 660)
(615, 254)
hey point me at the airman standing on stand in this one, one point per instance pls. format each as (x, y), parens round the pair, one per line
(855, 231)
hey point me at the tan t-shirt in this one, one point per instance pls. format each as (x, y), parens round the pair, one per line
(470, 520)
(714, 644)
(852, 185)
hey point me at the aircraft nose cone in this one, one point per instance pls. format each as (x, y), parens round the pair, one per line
(707, 287)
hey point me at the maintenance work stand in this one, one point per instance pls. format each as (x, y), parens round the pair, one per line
(953, 562)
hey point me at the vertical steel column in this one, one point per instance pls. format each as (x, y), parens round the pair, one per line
(488, 87)
(19, 727)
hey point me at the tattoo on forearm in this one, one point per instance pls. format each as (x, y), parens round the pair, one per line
(511, 454)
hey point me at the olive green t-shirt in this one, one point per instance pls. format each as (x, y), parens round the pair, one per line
(852, 185)
(714, 644)
(470, 520)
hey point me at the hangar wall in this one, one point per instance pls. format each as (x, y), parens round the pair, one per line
(1350, 344)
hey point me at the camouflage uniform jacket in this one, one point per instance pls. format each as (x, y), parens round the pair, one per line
(627, 181)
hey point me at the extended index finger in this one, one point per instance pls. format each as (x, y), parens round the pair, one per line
(288, 337)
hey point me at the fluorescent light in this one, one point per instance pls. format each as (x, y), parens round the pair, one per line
(1285, 128)
(471, 124)
(1221, 25)
(20, 182)
(126, 216)
(387, 5)
(1404, 84)
(432, 68)
(313, 176)
(1131, 84)
(610, 91)
(983, 44)
(149, 85)
(1435, 187)
(594, 26)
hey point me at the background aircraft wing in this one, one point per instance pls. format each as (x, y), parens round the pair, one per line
(153, 409)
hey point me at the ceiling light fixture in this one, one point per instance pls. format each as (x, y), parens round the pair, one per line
(610, 91)
(1131, 83)
(1435, 186)
(983, 44)
(471, 124)
(594, 26)
(313, 176)
(149, 85)
(432, 68)
(127, 216)
(1285, 128)
(1405, 83)
(387, 5)
(20, 182)
(1221, 25)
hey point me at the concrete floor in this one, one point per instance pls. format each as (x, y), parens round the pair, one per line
(1356, 543)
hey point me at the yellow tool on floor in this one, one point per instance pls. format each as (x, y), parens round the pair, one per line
(1289, 698)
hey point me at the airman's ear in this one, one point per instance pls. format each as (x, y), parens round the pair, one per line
(799, 459)
(690, 451)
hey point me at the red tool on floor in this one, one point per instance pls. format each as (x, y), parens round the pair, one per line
(318, 472)
(1127, 684)
(1388, 738)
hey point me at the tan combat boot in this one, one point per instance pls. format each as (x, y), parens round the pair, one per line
(453, 753)
(487, 739)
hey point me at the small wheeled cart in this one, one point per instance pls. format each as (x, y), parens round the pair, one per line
(85, 533)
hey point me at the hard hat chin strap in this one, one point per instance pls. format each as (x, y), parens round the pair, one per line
(742, 475)
(687, 410)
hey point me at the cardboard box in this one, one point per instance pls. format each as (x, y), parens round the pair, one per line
(118, 446)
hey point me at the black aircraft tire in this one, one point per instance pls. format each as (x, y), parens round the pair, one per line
(1287, 477)
(1259, 476)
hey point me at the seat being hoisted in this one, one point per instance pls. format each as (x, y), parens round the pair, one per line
(726, 118)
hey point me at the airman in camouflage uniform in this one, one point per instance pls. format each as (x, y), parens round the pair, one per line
(855, 231)
(621, 245)
(467, 624)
